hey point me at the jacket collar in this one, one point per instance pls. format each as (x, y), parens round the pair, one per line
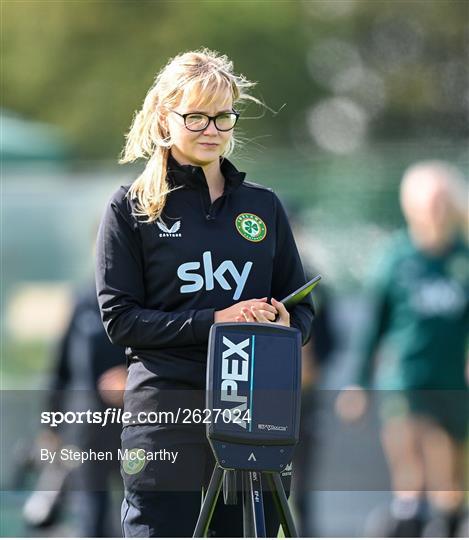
(193, 177)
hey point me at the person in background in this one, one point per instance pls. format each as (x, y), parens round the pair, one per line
(89, 372)
(314, 356)
(419, 295)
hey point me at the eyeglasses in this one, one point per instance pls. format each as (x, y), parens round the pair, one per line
(198, 121)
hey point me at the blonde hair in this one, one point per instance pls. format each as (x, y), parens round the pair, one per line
(203, 74)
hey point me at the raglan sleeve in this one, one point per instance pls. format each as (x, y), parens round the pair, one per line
(121, 290)
(288, 274)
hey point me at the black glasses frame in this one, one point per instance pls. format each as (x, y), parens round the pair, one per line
(209, 119)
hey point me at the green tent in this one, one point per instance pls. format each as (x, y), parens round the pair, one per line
(27, 141)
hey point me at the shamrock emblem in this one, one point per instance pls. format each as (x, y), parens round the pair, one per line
(251, 227)
(134, 461)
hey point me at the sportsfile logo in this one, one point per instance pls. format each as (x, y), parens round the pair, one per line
(234, 370)
(171, 232)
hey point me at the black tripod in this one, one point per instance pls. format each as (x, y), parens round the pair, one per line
(253, 505)
(253, 391)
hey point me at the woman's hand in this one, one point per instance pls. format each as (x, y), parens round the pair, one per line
(234, 313)
(255, 313)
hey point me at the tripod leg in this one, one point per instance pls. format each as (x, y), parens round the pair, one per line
(249, 524)
(253, 505)
(280, 500)
(210, 501)
(258, 503)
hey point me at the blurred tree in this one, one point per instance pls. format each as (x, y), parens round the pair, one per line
(418, 49)
(86, 66)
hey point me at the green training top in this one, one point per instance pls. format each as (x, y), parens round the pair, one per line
(420, 318)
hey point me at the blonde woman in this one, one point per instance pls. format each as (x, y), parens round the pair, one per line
(188, 244)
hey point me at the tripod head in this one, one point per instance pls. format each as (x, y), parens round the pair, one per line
(253, 391)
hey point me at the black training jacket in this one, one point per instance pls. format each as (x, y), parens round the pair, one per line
(159, 284)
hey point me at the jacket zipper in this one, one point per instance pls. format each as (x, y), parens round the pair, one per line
(205, 197)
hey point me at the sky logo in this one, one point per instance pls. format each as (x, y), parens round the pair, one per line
(186, 272)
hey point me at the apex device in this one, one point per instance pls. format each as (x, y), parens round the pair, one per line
(253, 395)
(254, 383)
